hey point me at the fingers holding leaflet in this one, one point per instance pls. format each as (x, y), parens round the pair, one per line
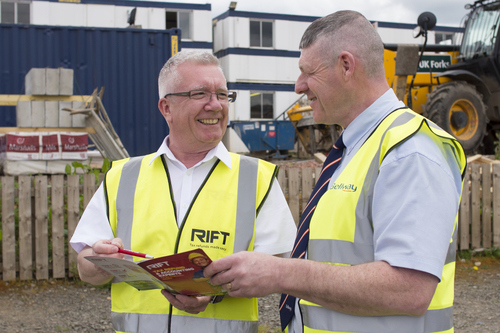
(108, 247)
(245, 274)
(193, 305)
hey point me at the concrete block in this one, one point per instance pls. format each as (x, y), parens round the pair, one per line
(34, 82)
(51, 114)
(23, 114)
(64, 116)
(78, 120)
(37, 113)
(17, 168)
(52, 81)
(65, 81)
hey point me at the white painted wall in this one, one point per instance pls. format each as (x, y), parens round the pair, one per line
(111, 16)
(288, 34)
(260, 69)
(201, 25)
(101, 16)
(235, 32)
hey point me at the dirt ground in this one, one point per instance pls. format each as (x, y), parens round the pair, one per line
(71, 306)
(477, 295)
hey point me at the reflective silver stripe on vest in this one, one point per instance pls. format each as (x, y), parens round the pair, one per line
(245, 210)
(199, 324)
(320, 318)
(125, 199)
(246, 205)
(361, 251)
(139, 322)
(158, 323)
(452, 249)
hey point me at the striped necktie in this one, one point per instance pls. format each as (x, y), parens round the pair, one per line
(287, 302)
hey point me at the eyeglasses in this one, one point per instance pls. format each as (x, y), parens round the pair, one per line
(206, 96)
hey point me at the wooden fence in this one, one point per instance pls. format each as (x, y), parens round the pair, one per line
(40, 213)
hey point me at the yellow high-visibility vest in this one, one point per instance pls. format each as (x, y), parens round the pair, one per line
(220, 220)
(341, 232)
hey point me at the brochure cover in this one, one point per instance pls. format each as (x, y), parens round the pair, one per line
(180, 273)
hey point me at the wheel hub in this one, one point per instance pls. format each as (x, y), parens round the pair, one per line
(463, 119)
(459, 120)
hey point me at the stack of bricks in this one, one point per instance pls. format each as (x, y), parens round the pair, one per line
(49, 82)
(53, 144)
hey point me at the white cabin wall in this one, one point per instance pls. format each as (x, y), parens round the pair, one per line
(102, 16)
(201, 21)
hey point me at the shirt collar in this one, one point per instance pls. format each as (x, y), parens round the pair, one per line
(364, 124)
(220, 151)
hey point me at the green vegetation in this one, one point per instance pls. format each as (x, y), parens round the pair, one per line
(486, 253)
(87, 169)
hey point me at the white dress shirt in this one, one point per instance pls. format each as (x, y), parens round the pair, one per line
(275, 228)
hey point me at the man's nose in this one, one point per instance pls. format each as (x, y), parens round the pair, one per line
(214, 102)
(300, 85)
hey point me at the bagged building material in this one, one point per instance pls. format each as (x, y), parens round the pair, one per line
(22, 146)
(51, 147)
(74, 146)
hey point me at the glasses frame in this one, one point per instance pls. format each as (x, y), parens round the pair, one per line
(231, 95)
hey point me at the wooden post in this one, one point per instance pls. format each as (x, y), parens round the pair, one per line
(57, 201)
(307, 186)
(25, 229)
(41, 229)
(88, 188)
(475, 207)
(486, 209)
(496, 205)
(8, 229)
(293, 193)
(73, 217)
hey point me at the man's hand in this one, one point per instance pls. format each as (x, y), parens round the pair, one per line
(249, 274)
(103, 248)
(193, 305)
(108, 248)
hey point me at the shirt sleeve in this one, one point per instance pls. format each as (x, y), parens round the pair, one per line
(275, 228)
(415, 203)
(94, 224)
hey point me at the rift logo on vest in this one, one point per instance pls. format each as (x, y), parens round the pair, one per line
(209, 236)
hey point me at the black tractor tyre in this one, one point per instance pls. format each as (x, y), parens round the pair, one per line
(458, 108)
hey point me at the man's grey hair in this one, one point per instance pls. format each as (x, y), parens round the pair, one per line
(169, 78)
(348, 31)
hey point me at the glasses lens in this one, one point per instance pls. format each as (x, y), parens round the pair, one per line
(198, 94)
(222, 96)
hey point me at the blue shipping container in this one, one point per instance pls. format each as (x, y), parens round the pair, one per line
(125, 61)
(264, 135)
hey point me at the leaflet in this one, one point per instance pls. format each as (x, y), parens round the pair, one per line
(180, 273)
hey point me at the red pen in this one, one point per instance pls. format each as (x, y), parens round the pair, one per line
(133, 253)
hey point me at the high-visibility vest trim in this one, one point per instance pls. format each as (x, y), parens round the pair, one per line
(349, 240)
(324, 320)
(131, 322)
(139, 195)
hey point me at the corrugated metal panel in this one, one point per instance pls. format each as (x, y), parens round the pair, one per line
(125, 61)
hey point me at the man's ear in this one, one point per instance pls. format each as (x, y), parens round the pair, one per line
(347, 63)
(164, 107)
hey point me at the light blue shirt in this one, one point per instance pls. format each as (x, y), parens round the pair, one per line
(416, 196)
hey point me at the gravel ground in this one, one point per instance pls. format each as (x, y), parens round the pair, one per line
(69, 306)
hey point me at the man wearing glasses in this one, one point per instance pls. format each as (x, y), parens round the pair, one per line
(192, 193)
